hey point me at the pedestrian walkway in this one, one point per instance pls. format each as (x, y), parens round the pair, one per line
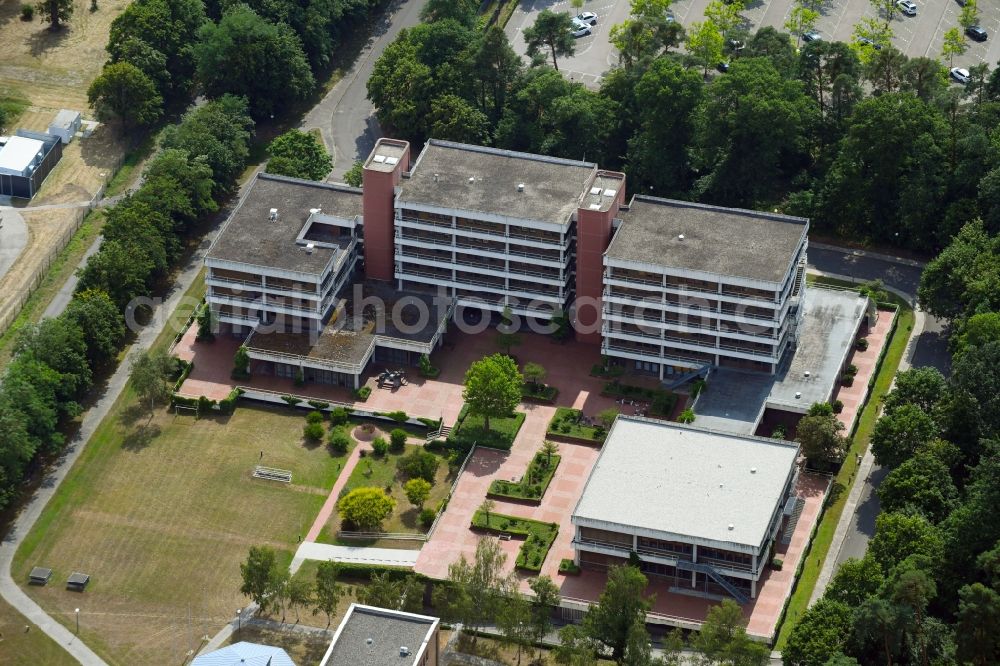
(388, 557)
(331, 500)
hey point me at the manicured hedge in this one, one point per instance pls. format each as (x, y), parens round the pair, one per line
(469, 430)
(565, 423)
(534, 483)
(539, 536)
(542, 393)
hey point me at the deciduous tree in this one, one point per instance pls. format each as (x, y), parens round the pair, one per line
(300, 155)
(621, 604)
(898, 434)
(819, 634)
(492, 387)
(123, 92)
(327, 590)
(417, 491)
(102, 324)
(55, 12)
(148, 373)
(365, 508)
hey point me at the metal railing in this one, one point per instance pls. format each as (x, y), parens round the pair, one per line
(604, 544)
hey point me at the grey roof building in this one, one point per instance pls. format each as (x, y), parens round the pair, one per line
(370, 636)
(698, 505)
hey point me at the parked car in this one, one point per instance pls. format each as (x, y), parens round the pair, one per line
(960, 74)
(870, 42)
(811, 36)
(589, 18)
(670, 16)
(976, 33)
(723, 66)
(908, 7)
(579, 28)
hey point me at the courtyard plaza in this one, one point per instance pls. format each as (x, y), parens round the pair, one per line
(567, 365)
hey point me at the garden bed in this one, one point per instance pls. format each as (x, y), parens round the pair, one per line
(469, 430)
(568, 568)
(565, 424)
(539, 536)
(542, 393)
(661, 403)
(532, 486)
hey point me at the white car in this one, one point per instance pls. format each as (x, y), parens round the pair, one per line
(960, 74)
(590, 18)
(579, 28)
(908, 7)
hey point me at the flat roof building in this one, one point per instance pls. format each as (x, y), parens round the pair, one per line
(701, 507)
(668, 288)
(370, 636)
(25, 160)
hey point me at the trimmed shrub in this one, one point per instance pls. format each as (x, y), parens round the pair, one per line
(777, 563)
(398, 416)
(861, 344)
(338, 441)
(318, 404)
(313, 432)
(314, 417)
(339, 416)
(397, 440)
(419, 464)
(838, 406)
(568, 568)
(291, 400)
(379, 447)
(27, 12)
(427, 517)
(363, 393)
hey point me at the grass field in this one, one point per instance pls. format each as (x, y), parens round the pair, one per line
(18, 646)
(847, 475)
(161, 515)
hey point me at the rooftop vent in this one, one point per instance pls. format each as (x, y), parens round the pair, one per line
(472, 179)
(520, 187)
(315, 211)
(798, 394)
(595, 206)
(404, 651)
(610, 193)
(680, 237)
(273, 215)
(435, 178)
(806, 374)
(595, 190)
(392, 161)
(310, 247)
(753, 470)
(379, 159)
(731, 526)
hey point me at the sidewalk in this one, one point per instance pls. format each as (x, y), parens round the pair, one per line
(388, 557)
(331, 500)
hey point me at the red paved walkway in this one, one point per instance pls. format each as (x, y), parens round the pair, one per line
(331, 500)
(853, 396)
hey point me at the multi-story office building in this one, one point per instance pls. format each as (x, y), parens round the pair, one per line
(688, 285)
(665, 287)
(700, 509)
(493, 228)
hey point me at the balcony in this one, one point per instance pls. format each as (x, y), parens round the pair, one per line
(612, 545)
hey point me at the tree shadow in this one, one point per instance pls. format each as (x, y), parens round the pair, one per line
(410, 517)
(141, 437)
(131, 414)
(43, 40)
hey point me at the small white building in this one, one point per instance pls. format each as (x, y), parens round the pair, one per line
(66, 124)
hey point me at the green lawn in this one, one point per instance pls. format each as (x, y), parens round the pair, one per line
(539, 536)
(847, 475)
(472, 429)
(566, 423)
(161, 515)
(380, 472)
(27, 647)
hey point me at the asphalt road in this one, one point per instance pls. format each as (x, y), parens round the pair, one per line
(345, 117)
(13, 238)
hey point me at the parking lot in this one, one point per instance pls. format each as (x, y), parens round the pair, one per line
(920, 35)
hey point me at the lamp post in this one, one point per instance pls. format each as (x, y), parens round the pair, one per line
(239, 619)
(77, 621)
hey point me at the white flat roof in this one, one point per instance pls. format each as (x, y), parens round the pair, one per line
(683, 482)
(18, 153)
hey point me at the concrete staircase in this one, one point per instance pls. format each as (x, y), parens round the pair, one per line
(687, 565)
(793, 520)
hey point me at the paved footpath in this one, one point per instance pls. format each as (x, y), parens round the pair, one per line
(331, 500)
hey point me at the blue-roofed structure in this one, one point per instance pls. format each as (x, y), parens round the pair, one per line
(245, 654)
